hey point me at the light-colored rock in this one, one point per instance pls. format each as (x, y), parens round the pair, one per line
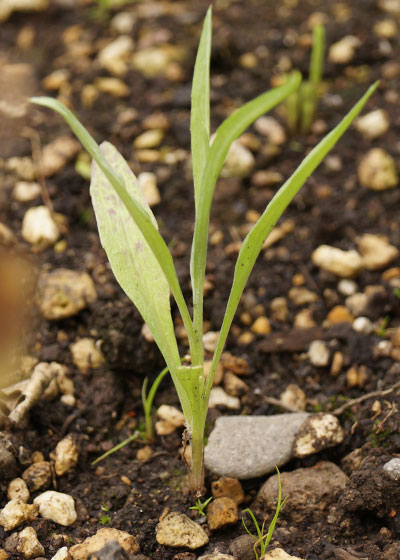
(363, 325)
(279, 309)
(17, 489)
(218, 397)
(304, 320)
(39, 227)
(357, 304)
(148, 185)
(392, 469)
(38, 476)
(114, 56)
(279, 554)
(57, 154)
(309, 490)
(377, 170)
(318, 353)
(113, 86)
(373, 124)
(210, 340)
(86, 355)
(228, 487)
(156, 61)
(63, 293)
(261, 326)
(221, 512)
(239, 162)
(57, 506)
(62, 554)
(272, 129)
(22, 167)
(96, 542)
(376, 251)
(234, 386)
(25, 543)
(164, 428)
(149, 139)
(389, 6)
(246, 447)
(176, 529)
(7, 7)
(343, 51)
(341, 263)
(294, 397)
(3, 554)
(302, 296)
(123, 22)
(56, 80)
(26, 191)
(347, 287)
(144, 453)
(66, 455)
(16, 512)
(171, 414)
(318, 432)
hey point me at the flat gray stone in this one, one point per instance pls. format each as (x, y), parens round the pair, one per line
(250, 446)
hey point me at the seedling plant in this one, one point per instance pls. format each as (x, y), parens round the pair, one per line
(140, 258)
(262, 540)
(301, 105)
(200, 506)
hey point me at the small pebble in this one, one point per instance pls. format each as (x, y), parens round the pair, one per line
(392, 469)
(17, 488)
(377, 170)
(16, 512)
(221, 512)
(228, 487)
(218, 397)
(341, 263)
(66, 455)
(373, 124)
(38, 476)
(177, 530)
(318, 353)
(39, 227)
(363, 325)
(57, 507)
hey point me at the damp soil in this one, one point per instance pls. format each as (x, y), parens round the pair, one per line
(108, 406)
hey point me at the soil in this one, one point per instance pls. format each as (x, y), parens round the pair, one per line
(108, 407)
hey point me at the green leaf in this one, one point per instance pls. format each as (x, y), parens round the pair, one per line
(317, 56)
(132, 259)
(229, 130)
(200, 113)
(255, 239)
(138, 213)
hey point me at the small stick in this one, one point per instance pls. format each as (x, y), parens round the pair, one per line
(277, 402)
(341, 409)
(36, 147)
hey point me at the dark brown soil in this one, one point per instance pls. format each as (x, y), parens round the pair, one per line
(366, 519)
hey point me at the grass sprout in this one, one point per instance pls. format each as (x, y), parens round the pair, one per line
(263, 539)
(200, 506)
(147, 400)
(301, 105)
(140, 258)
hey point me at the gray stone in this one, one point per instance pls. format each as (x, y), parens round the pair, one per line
(392, 469)
(309, 490)
(242, 548)
(249, 446)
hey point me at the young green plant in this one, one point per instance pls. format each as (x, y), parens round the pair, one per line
(262, 540)
(139, 256)
(301, 104)
(147, 401)
(200, 506)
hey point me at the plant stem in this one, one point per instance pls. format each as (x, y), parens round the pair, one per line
(196, 474)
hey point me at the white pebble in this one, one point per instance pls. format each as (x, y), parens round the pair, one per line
(347, 287)
(363, 325)
(39, 227)
(318, 353)
(57, 507)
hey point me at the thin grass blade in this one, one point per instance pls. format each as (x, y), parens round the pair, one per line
(253, 242)
(229, 130)
(200, 113)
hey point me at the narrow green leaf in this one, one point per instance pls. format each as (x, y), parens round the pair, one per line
(132, 260)
(140, 216)
(317, 56)
(200, 113)
(254, 241)
(229, 130)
